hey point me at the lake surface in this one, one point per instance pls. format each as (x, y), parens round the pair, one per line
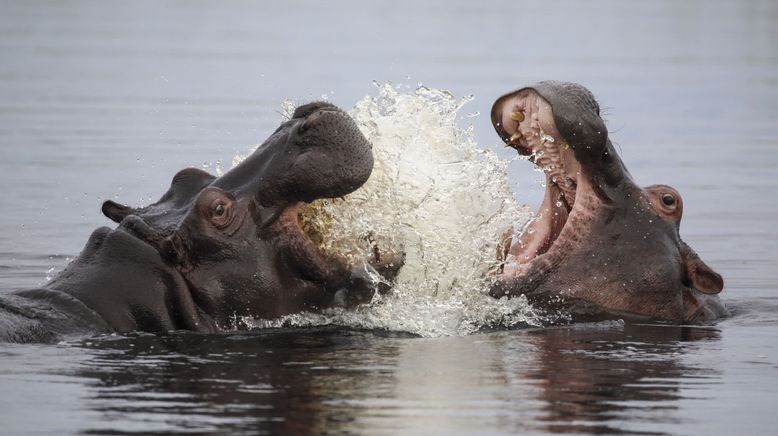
(108, 100)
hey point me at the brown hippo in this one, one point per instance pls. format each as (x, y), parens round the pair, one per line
(599, 242)
(212, 250)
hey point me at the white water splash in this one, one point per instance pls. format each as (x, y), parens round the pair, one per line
(441, 200)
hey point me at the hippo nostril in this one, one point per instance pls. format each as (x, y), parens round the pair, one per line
(311, 108)
(310, 121)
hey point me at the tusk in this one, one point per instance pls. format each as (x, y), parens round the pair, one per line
(517, 116)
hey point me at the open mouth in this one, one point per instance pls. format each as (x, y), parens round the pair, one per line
(304, 224)
(525, 122)
(303, 228)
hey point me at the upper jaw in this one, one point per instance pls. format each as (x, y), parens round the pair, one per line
(525, 121)
(525, 112)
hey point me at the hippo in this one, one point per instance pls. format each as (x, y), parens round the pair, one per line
(599, 245)
(213, 250)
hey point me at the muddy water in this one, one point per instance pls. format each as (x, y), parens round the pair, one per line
(105, 101)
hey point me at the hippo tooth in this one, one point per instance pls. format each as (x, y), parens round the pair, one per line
(517, 116)
(515, 137)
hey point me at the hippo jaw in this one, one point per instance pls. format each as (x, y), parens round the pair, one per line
(236, 241)
(597, 240)
(533, 133)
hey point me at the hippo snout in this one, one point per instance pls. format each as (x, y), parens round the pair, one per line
(336, 157)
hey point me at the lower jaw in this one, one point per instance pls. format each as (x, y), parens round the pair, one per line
(541, 233)
(700, 308)
(303, 246)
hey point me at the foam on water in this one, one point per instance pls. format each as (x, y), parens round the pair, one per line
(435, 196)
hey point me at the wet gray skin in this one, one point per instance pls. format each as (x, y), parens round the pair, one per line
(212, 250)
(600, 245)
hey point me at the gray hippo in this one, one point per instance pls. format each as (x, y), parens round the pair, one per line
(599, 244)
(212, 250)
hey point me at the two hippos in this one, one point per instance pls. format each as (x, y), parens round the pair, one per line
(215, 249)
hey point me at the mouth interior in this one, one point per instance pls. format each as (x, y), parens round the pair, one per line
(313, 221)
(305, 224)
(526, 122)
(305, 244)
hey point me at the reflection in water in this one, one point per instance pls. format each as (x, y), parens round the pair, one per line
(241, 383)
(602, 378)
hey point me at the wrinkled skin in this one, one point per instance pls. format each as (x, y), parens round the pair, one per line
(599, 245)
(212, 250)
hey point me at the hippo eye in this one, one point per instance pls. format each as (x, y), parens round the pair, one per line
(222, 214)
(668, 199)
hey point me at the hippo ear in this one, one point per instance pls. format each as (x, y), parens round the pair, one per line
(172, 250)
(703, 278)
(116, 212)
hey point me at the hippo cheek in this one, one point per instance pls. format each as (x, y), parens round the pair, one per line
(692, 307)
(702, 308)
(234, 289)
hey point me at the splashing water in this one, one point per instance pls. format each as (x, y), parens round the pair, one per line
(435, 196)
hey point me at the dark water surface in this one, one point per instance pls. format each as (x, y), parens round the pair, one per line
(106, 100)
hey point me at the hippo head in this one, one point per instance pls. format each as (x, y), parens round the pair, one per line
(213, 249)
(599, 241)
